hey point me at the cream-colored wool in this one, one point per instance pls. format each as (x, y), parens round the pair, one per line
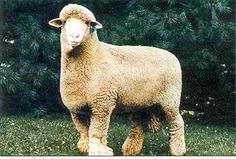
(97, 77)
(78, 11)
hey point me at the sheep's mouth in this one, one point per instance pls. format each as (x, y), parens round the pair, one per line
(74, 44)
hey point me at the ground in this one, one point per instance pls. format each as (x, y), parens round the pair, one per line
(55, 135)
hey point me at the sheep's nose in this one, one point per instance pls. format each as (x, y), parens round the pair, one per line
(74, 36)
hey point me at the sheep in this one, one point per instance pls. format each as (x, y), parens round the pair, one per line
(97, 77)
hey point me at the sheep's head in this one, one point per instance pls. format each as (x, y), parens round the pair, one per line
(77, 24)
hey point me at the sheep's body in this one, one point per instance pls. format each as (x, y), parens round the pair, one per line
(135, 76)
(97, 77)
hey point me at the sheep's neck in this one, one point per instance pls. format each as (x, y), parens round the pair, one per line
(76, 66)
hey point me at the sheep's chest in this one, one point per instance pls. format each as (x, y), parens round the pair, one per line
(72, 89)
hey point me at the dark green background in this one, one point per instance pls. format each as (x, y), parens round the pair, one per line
(201, 33)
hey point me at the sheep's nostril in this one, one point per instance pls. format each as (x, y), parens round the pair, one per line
(74, 36)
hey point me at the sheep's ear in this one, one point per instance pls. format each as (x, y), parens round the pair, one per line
(96, 25)
(57, 22)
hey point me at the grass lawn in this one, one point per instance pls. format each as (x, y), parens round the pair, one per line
(55, 135)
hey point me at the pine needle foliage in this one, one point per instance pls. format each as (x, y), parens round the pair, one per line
(199, 32)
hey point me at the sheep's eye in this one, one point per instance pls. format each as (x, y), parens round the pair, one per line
(87, 23)
(63, 22)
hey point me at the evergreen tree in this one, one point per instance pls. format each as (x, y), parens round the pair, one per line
(199, 32)
(30, 57)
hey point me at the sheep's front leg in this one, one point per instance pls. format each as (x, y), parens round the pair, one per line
(99, 123)
(134, 142)
(81, 123)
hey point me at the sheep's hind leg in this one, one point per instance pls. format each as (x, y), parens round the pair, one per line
(176, 127)
(99, 123)
(134, 141)
(81, 123)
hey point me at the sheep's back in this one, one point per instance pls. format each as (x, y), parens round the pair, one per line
(144, 73)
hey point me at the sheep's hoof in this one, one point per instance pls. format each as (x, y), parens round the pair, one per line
(177, 145)
(83, 145)
(99, 149)
(132, 146)
(177, 150)
(178, 153)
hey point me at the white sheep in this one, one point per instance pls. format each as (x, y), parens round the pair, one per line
(97, 77)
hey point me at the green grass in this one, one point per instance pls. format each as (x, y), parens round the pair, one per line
(55, 135)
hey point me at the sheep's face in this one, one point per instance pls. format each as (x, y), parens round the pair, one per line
(74, 30)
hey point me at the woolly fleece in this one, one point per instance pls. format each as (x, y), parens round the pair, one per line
(97, 77)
